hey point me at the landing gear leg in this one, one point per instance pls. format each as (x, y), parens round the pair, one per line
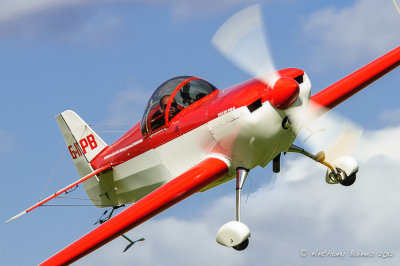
(319, 157)
(241, 175)
(235, 233)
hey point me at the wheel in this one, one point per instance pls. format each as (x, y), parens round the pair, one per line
(242, 246)
(349, 180)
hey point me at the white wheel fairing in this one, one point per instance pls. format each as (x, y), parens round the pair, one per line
(346, 164)
(232, 234)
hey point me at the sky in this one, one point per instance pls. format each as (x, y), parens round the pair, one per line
(103, 59)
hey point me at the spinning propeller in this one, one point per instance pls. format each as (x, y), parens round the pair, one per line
(242, 41)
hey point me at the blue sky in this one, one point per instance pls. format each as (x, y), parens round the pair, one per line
(103, 59)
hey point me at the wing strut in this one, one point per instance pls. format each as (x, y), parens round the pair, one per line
(40, 203)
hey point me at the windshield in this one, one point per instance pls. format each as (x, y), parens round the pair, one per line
(170, 98)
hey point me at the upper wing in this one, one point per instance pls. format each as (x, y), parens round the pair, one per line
(199, 176)
(356, 81)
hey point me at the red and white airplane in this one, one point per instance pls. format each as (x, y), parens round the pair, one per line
(194, 136)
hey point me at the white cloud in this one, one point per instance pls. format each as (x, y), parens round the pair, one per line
(344, 36)
(298, 211)
(380, 143)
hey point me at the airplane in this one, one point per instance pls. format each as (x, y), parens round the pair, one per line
(193, 137)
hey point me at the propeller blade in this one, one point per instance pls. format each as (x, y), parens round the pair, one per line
(242, 41)
(330, 132)
(344, 143)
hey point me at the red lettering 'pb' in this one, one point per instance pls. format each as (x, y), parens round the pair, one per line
(92, 141)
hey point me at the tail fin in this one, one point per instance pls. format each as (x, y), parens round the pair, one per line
(82, 142)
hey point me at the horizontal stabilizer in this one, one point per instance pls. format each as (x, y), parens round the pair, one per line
(40, 203)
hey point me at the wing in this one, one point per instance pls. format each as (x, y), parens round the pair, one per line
(358, 80)
(199, 176)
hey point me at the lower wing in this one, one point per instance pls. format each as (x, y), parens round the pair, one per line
(196, 178)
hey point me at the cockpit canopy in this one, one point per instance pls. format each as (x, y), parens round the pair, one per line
(170, 98)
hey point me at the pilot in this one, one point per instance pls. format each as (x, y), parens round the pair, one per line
(173, 109)
(158, 119)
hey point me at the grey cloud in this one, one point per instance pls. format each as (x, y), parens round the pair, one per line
(11, 10)
(57, 23)
(74, 20)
